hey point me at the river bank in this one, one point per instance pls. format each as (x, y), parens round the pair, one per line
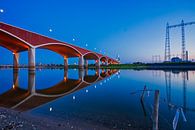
(155, 66)
(160, 66)
(12, 120)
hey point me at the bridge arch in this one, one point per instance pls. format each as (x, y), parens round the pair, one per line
(109, 61)
(91, 56)
(63, 49)
(12, 42)
(104, 60)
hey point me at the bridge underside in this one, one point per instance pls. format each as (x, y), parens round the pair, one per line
(91, 56)
(109, 61)
(63, 50)
(104, 60)
(17, 40)
(12, 43)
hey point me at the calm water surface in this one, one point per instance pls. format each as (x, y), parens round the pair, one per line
(110, 98)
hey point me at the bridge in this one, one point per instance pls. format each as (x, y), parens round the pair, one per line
(18, 40)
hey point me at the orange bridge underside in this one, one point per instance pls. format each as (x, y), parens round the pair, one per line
(12, 43)
(16, 40)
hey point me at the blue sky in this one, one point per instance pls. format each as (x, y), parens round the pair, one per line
(134, 29)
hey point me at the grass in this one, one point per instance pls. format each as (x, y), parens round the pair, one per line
(125, 66)
(120, 66)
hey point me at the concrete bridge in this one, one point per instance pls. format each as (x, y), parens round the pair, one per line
(27, 99)
(17, 40)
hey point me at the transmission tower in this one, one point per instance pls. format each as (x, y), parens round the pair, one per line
(167, 45)
(183, 41)
(184, 55)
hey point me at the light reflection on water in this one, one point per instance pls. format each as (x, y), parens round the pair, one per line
(107, 97)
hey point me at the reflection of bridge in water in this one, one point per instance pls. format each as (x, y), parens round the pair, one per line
(185, 78)
(23, 100)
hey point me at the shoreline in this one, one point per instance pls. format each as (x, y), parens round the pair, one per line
(11, 119)
(155, 66)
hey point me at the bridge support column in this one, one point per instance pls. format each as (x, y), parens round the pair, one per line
(16, 60)
(15, 78)
(97, 63)
(81, 74)
(106, 62)
(31, 59)
(65, 63)
(102, 63)
(81, 62)
(86, 64)
(65, 74)
(86, 72)
(31, 81)
(97, 72)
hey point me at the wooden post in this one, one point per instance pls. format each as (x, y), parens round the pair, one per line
(155, 110)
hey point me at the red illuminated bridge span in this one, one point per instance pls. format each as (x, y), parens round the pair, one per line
(17, 40)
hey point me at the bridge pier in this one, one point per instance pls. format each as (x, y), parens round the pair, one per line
(97, 72)
(31, 82)
(65, 63)
(65, 74)
(31, 59)
(81, 75)
(16, 60)
(97, 63)
(109, 62)
(15, 78)
(86, 72)
(106, 62)
(86, 64)
(81, 62)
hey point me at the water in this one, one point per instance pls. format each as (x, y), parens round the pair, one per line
(112, 99)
